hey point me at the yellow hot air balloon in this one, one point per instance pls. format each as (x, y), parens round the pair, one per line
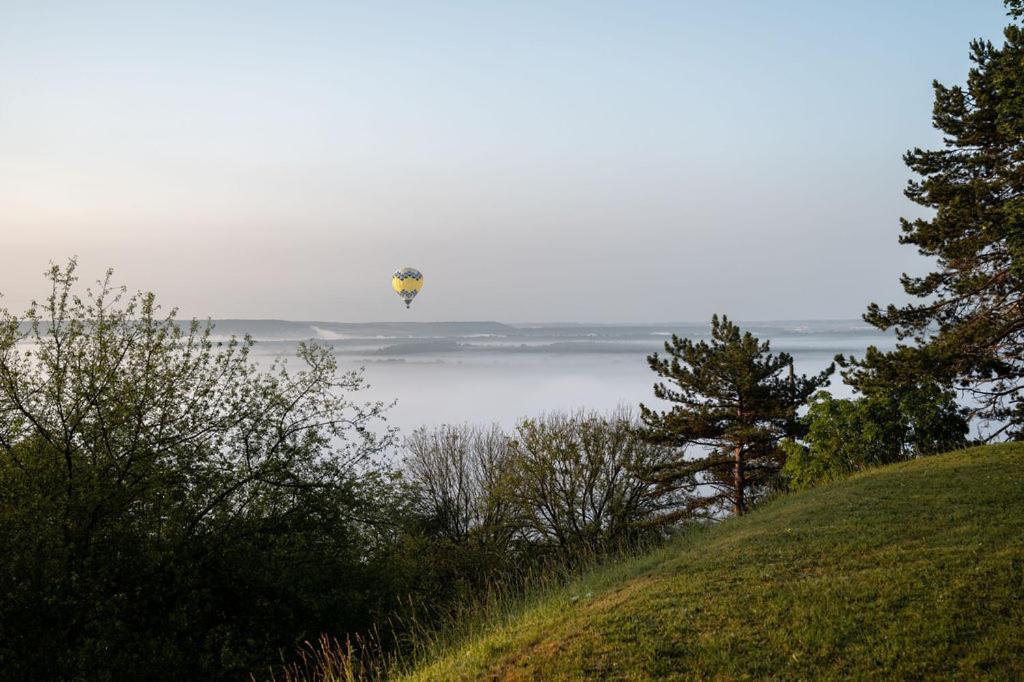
(407, 282)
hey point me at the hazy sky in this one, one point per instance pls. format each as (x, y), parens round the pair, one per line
(537, 161)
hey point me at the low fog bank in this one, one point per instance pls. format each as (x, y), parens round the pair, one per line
(455, 372)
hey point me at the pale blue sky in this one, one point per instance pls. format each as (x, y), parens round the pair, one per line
(537, 161)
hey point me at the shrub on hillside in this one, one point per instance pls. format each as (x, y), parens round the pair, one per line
(167, 510)
(881, 427)
(576, 481)
(461, 532)
(558, 484)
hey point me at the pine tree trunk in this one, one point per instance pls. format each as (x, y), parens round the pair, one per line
(738, 481)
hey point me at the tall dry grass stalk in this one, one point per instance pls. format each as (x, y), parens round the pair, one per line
(417, 633)
(328, 660)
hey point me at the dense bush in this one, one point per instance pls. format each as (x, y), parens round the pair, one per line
(577, 485)
(168, 511)
(461, 531)
(558, 486)
(844, 436)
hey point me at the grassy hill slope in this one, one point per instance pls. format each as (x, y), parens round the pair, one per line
(913, 570)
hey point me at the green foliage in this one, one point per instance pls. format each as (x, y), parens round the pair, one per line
(968, 328)
(909, 571)
(463, 526)
(574, 482)
(458, 473)
(844, 436)
(167, 510)
(561, 485)
(733, 401)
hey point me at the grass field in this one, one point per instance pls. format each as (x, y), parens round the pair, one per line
(909, 571)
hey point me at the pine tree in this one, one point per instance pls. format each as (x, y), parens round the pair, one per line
(968, 328)
(733, 402)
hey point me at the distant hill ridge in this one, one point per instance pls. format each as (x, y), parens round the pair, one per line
(287, 329)
(297, 329)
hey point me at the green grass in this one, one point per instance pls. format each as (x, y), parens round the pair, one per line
(911, 571)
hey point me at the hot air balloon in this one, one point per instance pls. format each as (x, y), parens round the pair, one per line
(407, 282)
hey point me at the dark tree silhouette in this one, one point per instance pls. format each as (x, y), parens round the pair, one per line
(733, 401)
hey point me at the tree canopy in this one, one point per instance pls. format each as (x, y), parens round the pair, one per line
(967, 329)
(733, 400)
(167, 509)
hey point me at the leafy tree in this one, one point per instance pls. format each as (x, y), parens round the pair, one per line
(494, 507)
(844, 436)
(167, 510)
(462, 533)
(574, 480)
(968, 328)
(458, 472)
(733, 402)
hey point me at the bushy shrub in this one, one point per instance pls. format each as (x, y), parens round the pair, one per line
(461, 530)
(459, 472)
(882, 427)
(167, 510)
(576, 481)
(558, 485)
